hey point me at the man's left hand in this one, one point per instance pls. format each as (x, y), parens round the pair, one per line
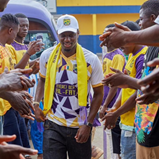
(83, 134)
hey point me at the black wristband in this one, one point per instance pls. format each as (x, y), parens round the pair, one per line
(88, 124)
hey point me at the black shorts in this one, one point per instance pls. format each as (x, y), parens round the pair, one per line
(116, 133)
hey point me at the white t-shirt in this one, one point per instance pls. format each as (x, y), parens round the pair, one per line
(65, 110)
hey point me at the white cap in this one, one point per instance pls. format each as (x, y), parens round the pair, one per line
(67, 23)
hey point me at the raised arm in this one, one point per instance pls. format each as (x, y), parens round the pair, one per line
(119, 36)
(33, 48)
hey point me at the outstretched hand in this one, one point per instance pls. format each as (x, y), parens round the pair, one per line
(147, 98)
(6, 138)
(9, 151)
(22, 102)
(114, 36)
(150, 85)
(115, 80)
(15, 80)
(110, 120)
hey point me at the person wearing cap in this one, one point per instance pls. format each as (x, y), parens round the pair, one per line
(68, 71)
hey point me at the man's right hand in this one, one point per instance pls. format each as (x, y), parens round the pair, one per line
(39, 115)
(34, 47)
(9, 151)
(15, 80)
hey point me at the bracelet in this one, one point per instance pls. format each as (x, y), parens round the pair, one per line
(36, 103)
(28, 53)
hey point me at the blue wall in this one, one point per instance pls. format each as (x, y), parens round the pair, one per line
(88, 41)
(98, 9)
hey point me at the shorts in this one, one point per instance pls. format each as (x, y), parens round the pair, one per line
(116, 134)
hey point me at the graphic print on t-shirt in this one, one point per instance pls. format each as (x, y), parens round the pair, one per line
(65, 110)
(145, 115)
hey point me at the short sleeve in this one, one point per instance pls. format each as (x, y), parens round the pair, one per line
(139, 65)
(1, 62)
(13, 53)
(97, 73)
(1, 107)
(118, 62)
(6, 59)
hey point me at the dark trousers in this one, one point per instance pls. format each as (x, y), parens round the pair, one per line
(116, 135)
(58, 140)
(15, 124)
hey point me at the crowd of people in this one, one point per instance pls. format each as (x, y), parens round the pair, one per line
(68, 91)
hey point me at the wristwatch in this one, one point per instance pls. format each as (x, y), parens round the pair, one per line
(89, 124)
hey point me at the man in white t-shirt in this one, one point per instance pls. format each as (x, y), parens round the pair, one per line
(68, 124)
